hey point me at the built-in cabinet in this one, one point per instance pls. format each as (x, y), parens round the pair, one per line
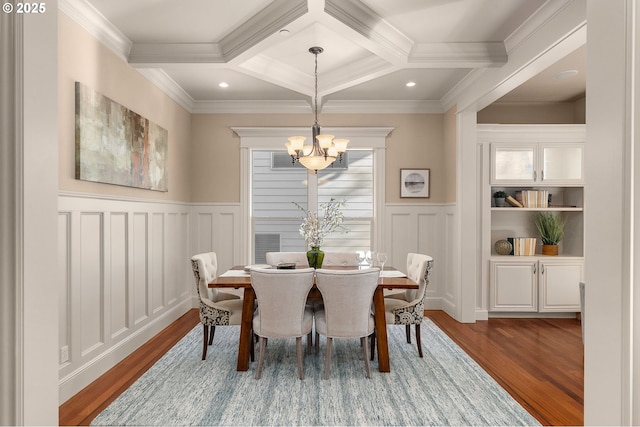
(537, 164)
(546, 158)
(534, 285)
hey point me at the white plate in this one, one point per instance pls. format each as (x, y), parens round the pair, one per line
(249, 267)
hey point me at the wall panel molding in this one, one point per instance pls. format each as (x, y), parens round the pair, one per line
(123, 274)
(423, 228)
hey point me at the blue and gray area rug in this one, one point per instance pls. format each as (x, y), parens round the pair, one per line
(446, 387)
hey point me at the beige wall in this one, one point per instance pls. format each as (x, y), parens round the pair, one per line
(542, 113)
(82, 58)
(416, 142)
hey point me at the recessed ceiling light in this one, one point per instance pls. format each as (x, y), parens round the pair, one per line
(284, 32)
(223, 84)
(566, 74)
(411, 84)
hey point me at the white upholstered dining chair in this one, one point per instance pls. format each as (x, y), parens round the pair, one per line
(407, 308)
(216, 308)
(340, 259)
(282, 311)
(347, 295)
(299, 258)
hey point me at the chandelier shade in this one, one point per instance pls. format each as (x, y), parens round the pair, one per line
(324, 149)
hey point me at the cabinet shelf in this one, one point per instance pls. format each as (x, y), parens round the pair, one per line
(553, 208)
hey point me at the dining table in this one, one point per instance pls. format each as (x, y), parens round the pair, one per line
(239, 278)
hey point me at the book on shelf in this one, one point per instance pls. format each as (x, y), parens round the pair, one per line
(534, 198)
(513, 202)
(522, 246)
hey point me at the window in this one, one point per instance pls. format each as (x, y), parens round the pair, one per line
(275, 186)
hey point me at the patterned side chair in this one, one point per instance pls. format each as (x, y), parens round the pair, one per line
(216, 308)
(407, 308)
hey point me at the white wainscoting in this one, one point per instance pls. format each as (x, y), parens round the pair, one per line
(427, 229)
(217, 227)
(124, 271)
(124, 275)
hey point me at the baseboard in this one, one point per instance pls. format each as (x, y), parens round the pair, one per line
(482, 315)
(89, 372)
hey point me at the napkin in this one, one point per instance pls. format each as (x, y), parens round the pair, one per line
(392, 273)
(235, 273)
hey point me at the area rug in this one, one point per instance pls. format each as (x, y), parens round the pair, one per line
(445, 387)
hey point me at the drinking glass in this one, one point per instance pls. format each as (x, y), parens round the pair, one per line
(360, 256)
(382, 258)
(368, 258)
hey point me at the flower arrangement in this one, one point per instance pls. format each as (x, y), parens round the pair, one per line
(314, 229)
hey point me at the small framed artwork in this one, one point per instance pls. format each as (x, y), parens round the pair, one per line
(414, 182)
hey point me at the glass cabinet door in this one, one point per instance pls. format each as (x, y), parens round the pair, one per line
(562, 163)
(512, 164)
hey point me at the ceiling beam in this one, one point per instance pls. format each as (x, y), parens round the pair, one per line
(458, 55)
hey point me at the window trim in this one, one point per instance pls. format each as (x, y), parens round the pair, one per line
(273, 138)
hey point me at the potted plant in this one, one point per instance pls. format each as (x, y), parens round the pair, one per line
(551, 227)
(499, 199)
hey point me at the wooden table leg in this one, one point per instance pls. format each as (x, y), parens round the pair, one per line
(381, 331)
(244, 345)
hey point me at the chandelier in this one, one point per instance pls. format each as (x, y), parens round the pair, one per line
(324, 149)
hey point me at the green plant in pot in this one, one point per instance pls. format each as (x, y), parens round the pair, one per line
(551, 227)
(499, 199)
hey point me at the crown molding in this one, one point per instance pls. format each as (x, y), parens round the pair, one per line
(251, 107)
(382, 107)
(163, 53)
(265, 23)
(538, 20)
(97, 25)
(168, 86)
(383, 38)
(459, 55)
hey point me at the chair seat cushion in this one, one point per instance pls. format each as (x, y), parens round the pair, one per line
(307, 325)
(400, 312)
(223, 296)
(395, 294)
(225, 312)
(321, 326)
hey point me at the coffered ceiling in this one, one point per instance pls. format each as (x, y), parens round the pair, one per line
(372, 49)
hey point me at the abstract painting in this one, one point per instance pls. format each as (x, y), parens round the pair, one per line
(414, 182)
(115, 145)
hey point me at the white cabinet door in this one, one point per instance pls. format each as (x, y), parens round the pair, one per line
(513, 164)
(513, 286)
(560, 285)
(562, 164)
(537, 164)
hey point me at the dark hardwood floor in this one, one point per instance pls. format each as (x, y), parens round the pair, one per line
(538, 361)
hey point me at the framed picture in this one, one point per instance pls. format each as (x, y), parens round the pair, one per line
(414, 182)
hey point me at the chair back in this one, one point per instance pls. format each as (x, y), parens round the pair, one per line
(275, 258)
(345, 259)
(417, 265)
(205, 269)
(347, 296)
(282, 296)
